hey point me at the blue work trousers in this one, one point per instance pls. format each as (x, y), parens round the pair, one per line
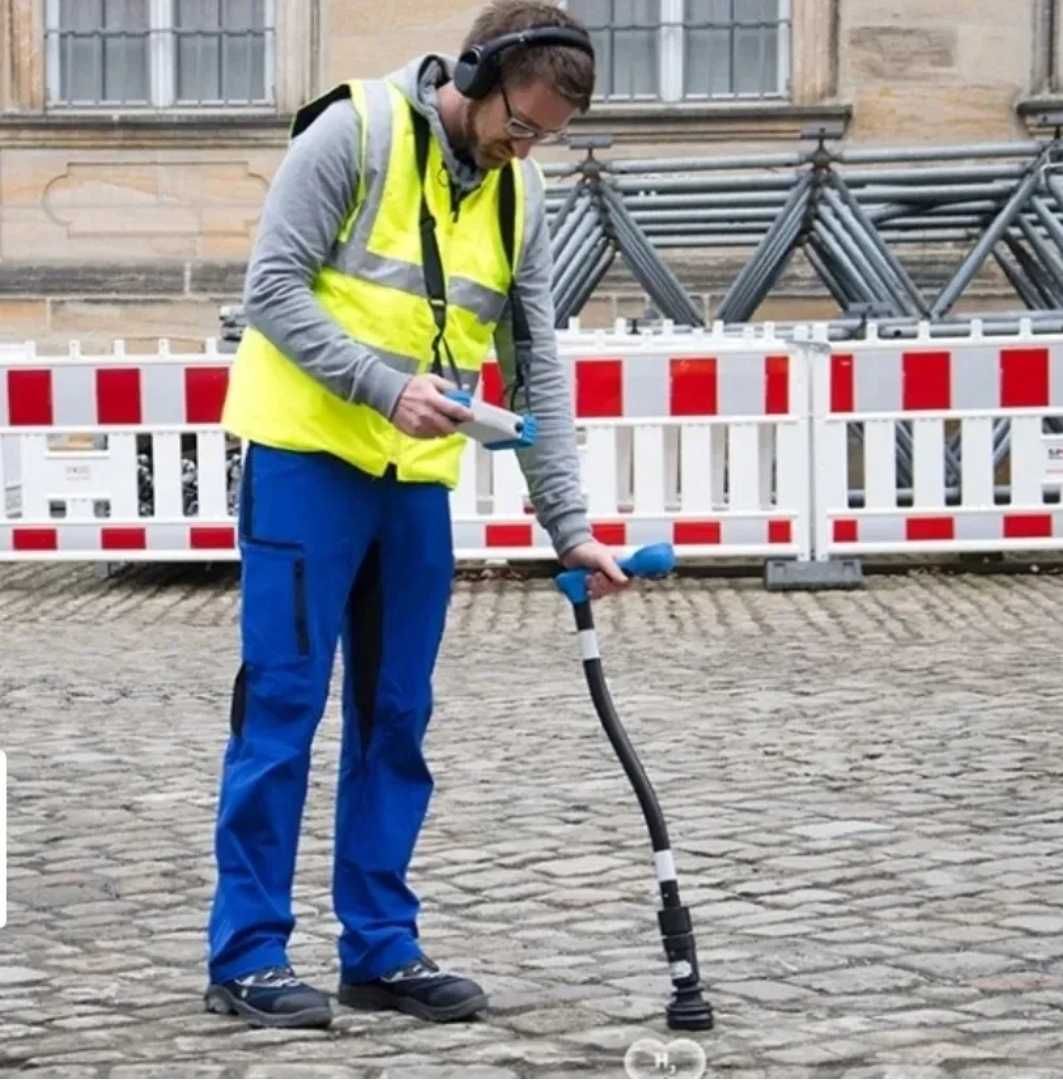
(330, 554)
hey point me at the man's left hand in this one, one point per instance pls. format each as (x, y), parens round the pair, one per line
(607, 577)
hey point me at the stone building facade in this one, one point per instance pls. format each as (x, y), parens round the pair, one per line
(138, 137)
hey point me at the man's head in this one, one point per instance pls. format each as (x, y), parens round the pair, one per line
(538, 89)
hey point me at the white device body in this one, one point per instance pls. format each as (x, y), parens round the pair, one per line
(490, 424)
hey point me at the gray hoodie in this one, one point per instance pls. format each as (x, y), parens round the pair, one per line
(307, 204)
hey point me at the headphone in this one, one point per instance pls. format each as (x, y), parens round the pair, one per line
(478, 69)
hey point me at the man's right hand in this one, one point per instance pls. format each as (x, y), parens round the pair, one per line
(424, 413)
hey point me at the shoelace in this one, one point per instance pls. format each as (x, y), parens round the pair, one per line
(274, 978)
(419, 969)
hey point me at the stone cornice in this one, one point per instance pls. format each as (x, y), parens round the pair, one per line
(649, 123)
(143, 131)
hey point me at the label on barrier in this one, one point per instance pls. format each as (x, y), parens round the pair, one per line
(1053, 459)
(78, 474)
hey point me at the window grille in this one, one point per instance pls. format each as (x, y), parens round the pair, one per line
(160, 53)
(688, 50)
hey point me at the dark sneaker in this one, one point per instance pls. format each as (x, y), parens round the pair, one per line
(272, 997)
(420, 989)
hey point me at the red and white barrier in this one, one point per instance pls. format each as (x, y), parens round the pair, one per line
(79, 432)
(694, 439)
(726, 447)
(953, 396)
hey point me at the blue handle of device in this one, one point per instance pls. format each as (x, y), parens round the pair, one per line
(652, 561)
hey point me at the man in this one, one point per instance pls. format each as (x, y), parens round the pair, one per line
(400, 219)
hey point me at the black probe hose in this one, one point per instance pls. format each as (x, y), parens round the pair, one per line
(687, 1009)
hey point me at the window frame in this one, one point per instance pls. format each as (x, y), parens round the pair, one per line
(671, 62)
(162, 69)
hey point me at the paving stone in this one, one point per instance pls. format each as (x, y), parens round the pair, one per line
(148, 1071)
(871, 859)
(431, 1072)
(896, 1071)
(1037, 924)
(581, 866)
(962, 964)
(19, 976)
(833, 830)
(91, 1021)
(856, 980)
(979, 1070)
(773, 992)
(936, 1018)
(817, 1055)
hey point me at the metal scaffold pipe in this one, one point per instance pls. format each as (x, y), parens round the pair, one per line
(868, 156)
(858, 214)
(895, 265)
(998, 189)
(747, 292)
(748, 161)
(776, 182)
(974, 260)
(973, 174)
(875, 272)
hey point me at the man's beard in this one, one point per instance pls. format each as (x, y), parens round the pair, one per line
(491, 156)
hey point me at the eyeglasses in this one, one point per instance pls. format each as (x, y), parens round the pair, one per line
(524, 132)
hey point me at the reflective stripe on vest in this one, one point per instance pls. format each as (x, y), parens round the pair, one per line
(373, 287)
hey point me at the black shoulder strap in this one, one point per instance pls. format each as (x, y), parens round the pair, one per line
(312, 110)
(435, 281)
(507, 212)
(507, 223)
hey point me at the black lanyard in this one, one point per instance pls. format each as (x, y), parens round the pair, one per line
(435, 281)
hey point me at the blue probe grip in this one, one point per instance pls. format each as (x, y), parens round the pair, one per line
(529, 432)
(652, 561)
(462, 397)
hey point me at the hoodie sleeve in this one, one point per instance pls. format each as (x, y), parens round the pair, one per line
(310, 198)
(551, 466)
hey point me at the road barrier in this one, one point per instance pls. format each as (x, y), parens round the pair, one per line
(741, 446)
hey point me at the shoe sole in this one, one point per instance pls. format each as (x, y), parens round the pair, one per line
(219, 1000)
(373, 999)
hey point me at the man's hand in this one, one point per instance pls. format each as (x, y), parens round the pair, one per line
(591, 555)
(424, 413)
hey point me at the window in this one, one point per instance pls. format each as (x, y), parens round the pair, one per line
(160, 53)
(688, 50)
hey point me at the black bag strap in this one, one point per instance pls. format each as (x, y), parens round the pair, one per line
(435, 281)
(507, 221)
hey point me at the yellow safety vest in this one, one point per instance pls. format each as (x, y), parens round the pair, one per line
(373, 286)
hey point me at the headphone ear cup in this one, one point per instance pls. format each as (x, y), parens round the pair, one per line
(475, 73)
(465, 71)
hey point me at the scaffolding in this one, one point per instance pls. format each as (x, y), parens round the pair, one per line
(850, 211)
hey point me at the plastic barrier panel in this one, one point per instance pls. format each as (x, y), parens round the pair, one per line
(944, 445)
(693, 439)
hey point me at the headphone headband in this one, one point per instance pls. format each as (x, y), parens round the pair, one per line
(478, 70)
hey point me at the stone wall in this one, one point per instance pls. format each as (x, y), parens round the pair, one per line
(139, 226)
(950, 71)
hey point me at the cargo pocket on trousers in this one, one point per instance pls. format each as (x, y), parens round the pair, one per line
(273, 619)
(239, 703)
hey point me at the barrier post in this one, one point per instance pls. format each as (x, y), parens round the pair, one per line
(822, 464)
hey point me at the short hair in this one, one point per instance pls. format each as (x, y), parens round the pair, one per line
(568, 70)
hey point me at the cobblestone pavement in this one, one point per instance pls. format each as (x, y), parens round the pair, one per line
(863, 791)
